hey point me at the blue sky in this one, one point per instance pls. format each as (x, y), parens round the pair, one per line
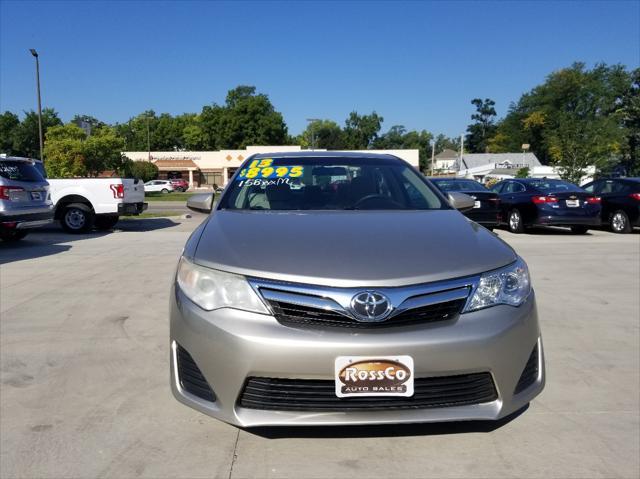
(416, 63)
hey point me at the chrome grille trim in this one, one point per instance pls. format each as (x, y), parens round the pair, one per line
(338, 300)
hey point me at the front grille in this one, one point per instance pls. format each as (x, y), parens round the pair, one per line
(530, 372)
(319, 394)
(290, 314)
(190, 376)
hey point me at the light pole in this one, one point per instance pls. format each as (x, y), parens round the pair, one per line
(313, 135)
(35, 55)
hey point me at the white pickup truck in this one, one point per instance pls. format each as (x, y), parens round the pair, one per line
(84, 203)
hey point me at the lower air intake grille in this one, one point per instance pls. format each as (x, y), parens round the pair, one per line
(319, 394)
(530, 373)
(290, 314)
(191, 379)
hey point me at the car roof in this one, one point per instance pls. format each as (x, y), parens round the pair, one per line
(16, 158)
(326, 154)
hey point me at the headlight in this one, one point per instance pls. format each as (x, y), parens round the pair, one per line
(211, 289)
(509, 285)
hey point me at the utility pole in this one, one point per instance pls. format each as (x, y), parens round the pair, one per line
(433, 154)
(312, 131)
(461, 152)
(148, 141)
(35, 55)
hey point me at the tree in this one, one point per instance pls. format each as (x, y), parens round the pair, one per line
(145, 170)
(479, 133)
(361, 131)
(247, 118)
(630, 114)
(323, 134)
(445, 143)
(588, 105)
(70, 153)
(27, 138)
(63, 151)
(399, 138)
(523, 172)
(9, 123)
(103, 151)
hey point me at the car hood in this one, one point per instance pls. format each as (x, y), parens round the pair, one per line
(350, 248)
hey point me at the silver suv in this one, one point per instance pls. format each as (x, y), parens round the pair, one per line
(343, 288)
(25, 201)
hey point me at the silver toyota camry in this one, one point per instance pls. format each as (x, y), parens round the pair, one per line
(341, 288)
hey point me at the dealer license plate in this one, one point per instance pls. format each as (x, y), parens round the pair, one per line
(573, 203)
(374, 376)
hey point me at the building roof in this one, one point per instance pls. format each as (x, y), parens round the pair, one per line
(175, 164)
(517, 160)
(447, 154)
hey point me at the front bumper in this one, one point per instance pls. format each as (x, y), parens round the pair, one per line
(230, 345)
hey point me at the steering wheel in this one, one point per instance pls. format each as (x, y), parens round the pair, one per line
(375, 198)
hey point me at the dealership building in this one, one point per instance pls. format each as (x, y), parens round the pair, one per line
(203, 169)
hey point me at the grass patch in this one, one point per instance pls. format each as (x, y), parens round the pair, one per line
(175, 196)
(154, 214)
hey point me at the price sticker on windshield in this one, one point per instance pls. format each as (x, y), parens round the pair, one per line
(264, 169)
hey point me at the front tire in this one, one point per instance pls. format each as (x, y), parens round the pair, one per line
(77, 218)
(620, 222)
(106, 222)
(12, 235)
(579, 230)
(515, 223)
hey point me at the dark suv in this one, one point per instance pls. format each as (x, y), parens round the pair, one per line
(620, 202)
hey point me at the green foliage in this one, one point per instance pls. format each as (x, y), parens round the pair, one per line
(361, 131)
(70, 153)
(523, 172)
(322, 134)
(247, 118)
(479, 132)
(63, 152)
(399, 138)
(445, 143)
(576, 118)
(629, 112)
(9, 123)
(26, 139)
(145, 170)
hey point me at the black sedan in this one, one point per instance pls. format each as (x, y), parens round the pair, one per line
(620, 202)
(546, 202)
(486, 210)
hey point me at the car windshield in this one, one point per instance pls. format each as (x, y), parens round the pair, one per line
(459, 185)
(19, 171)
(554, 186)
(329, 183)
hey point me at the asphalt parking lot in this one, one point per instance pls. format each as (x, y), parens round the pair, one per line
(85, 381)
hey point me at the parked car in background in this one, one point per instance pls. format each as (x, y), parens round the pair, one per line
(158, 186)
(486, 209)
(81, 204)
(179, 184)
(546, 202)
(362, 297)
(620, 202)
(25, 201)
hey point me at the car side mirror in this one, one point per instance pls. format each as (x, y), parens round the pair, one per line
(201, 202)
(460, 201)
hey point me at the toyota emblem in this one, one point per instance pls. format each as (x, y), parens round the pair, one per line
(370, 306)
